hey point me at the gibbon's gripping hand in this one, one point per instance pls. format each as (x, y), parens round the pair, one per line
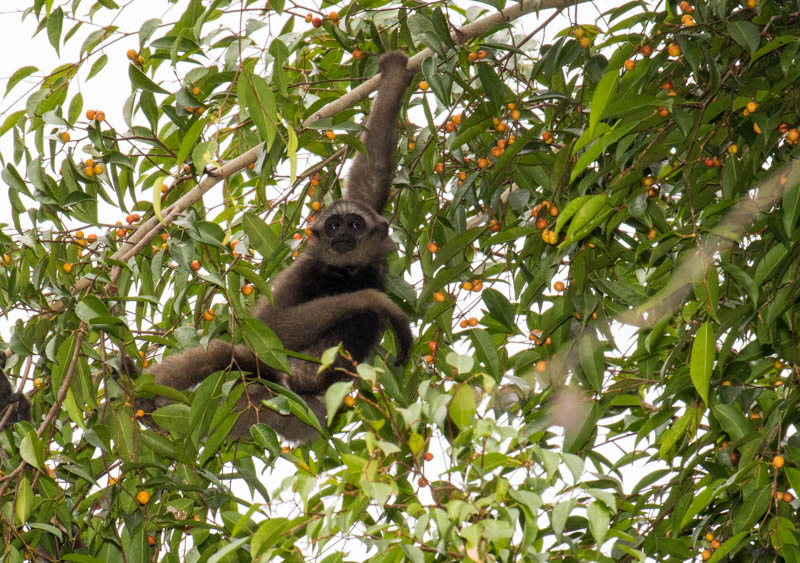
(16, 405)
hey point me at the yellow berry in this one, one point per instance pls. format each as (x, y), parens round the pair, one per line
(143, 497)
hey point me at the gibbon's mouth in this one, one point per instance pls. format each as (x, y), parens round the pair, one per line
(343, 245)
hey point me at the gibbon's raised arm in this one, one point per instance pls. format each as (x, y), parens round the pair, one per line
(370, 177)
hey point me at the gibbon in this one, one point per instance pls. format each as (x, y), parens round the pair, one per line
(332, 294)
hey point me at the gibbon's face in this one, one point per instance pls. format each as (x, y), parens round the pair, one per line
(350, 233)
(344, 231)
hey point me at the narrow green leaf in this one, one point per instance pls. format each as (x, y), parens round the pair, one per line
(590, 352)
(746, 34)
(23, 501)
(605, 90)
(54, 24)
(141, 81)
(702, 360)
(492, 85)
(19, 74)
(599, 519)
(97, 65)
(791, 208)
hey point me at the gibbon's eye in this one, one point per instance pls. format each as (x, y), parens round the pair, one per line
(333, 224)
(355, 222)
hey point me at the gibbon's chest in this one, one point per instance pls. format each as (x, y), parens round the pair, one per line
(334, 281)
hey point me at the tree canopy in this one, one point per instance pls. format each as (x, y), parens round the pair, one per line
(597, 229)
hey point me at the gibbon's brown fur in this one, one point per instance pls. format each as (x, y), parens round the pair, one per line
(14, 407)
(333, 293)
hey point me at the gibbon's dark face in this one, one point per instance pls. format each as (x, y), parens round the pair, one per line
(349, 234)
(344, 231)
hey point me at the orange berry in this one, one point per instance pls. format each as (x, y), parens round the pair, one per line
(651, 234)
(411, 145)
(674, 50)
(64, 135)
(121, 232)
(247, 289)
(547, 136)
(358, 54)
(462, 176)
(429, 359)
(501, 127)
(209, 315)
(309, 17)
(440, 296)
(752, 106)
(715, 544)
(456, 118)
(554, 211)
(559, 286)
(449, 126)
(427, 456)
(541, 223)
(316, 22)
(793, 135)
(706, 554)
(666, 85)
(630, 64)
(151, 540)
(756, 128)
(467, 286)
(482, 54)
(333, 16)
(143, 497)
(349, 401)
(316, 206)
(463, 324)
(433, 248)
(88, 171)
(686, 7)
(195, 265)
(709, 536)
(139, 413)
(438, 168)
(132, 54)
(778, 462)
(98, 169)
(67, 267)
(472, 321)
(515, 115)
(330, 134)
(788, 497)
(647, 50)
(91, 114)
(423, 85)
(483, 162)
(579, 33)
(663, 112)
(687, 20)
(100, 115)
(541, 366)
(477, 285)
(472, 57)
(497, 152)
(422, 482)
(585, 42)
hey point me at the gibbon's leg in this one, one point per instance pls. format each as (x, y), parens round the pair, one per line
(370, 176)
(286, 425)
(190, 367)
(306, 323)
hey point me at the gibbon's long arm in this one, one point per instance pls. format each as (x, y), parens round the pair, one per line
(370, 177)
(298, 325)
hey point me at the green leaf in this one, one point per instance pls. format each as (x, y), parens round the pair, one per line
(97, 66)
(463, 406)
(492, 85)
(19, 75)
(702, 360)
(791, 208)
(599, 518)
(23, 501)
(731, 419)
(141, 81)
(54, 24)
(91, 307)
(265, 344)
(255, 97)
(753, 507)
(603, 93)
(335, 395)
(746, 34)
(590, 352)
